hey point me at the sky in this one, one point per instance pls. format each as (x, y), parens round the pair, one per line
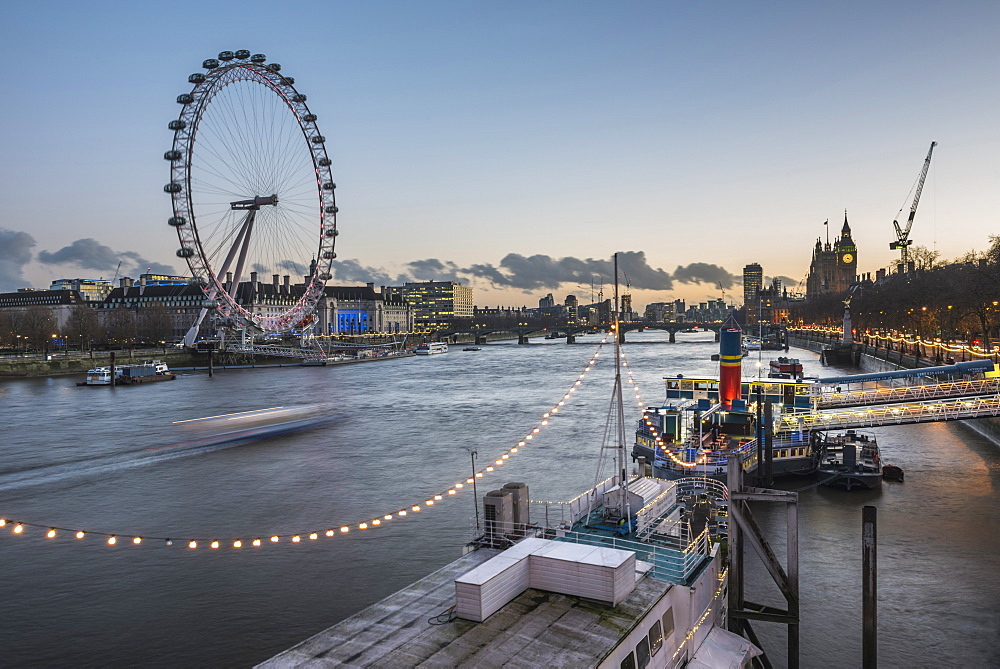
(516, 146)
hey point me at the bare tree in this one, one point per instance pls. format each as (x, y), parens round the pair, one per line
(7, 331)
(155, 324)
(121, 327)
(83, 326)
(924, 258)
(38, 326)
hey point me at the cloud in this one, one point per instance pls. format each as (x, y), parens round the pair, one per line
(88, 253)
(543, 272)
(353, 271)
(700, 272)
(432, 268)
(296, 269)
(15, 253)
(786, 281)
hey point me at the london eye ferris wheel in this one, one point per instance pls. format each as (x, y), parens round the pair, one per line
(252, 193)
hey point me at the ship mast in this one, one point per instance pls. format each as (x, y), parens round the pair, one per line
(614, 428)
(618, 406)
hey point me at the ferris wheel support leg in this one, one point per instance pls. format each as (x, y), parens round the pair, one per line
(244, 245)
(238, 243)
(192, 333)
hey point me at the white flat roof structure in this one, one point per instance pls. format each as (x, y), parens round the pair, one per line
(535, 629)
(595, 572)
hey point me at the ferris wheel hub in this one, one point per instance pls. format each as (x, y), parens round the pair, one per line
(256, 203)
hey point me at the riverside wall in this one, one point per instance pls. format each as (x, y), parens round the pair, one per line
(870, 358)
(76, 363)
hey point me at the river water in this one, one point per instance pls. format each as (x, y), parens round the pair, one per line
(103, 459)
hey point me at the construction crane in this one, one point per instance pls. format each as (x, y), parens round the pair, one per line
(903, 240)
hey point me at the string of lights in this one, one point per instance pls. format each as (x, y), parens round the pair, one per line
(652, 429)
(701, 621)
(19, 527)
(902, 339)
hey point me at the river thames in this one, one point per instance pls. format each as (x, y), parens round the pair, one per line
(107, 460)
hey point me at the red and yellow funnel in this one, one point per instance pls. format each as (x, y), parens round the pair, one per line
(730, 365)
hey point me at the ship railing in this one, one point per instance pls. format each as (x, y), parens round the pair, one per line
(674, 557)
(675, 564)
(695, 485)
(564, 514)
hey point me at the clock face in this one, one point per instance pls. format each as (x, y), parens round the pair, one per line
(848, 258)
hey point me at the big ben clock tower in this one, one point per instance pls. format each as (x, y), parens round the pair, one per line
(847, 259)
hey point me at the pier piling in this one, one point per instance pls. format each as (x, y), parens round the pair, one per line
(869, 597)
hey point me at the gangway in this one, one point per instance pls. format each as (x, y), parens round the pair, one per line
(913, 393)
(277, 351)
(889, 414)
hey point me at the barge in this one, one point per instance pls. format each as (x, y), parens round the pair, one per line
(148, 371)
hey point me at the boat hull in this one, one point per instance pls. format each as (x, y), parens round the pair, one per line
(666, 468)
(850, 481)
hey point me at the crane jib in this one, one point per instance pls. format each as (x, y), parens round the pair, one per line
(903, 240)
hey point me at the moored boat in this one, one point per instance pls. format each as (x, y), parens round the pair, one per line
(850, 460)
(783, 365)
(892, 473)
(148, 371)
(692, 434)
(431, 348)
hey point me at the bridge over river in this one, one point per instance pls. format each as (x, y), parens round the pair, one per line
(525, 331)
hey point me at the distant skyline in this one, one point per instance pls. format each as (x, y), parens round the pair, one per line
(516, 146)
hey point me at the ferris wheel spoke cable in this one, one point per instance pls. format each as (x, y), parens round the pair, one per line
(219, 169)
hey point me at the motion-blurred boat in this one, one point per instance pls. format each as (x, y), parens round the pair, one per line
(257, 424)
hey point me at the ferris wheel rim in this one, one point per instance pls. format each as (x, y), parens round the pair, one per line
(237, 67)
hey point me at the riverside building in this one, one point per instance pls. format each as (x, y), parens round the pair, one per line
(436, 304)
(753, 281)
